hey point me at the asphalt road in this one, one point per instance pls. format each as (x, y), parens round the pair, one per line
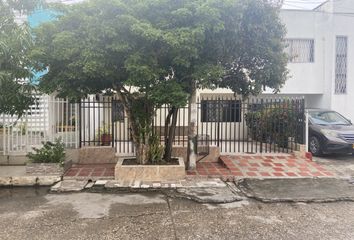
(34, 214)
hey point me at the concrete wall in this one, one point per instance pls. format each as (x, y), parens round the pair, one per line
(72, 155)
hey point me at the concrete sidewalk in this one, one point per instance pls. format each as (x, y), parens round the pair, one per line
(17, 176)
(298, 190)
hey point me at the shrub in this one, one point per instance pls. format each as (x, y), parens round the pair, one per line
(156, 149)
(49, 153)
(274, 123)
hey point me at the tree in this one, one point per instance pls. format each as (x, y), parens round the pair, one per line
(15, 64)
(138, 49)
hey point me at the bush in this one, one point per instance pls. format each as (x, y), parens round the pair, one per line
(156, 149)
(274, 123)
(49, 153)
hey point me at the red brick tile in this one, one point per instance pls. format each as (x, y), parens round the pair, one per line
(254, 164)
(268, 161)
(304, 174)
(71, 174)
(97, 174)
(267, 164)
(83, 174)
(234, 169)
(278, 174)
(329, 174)
(237, 174)
(303, 169)
(278, 164)
(319, 168)
(291, 174)
(251, 174)
(292, 161)
(107, 174)
(243, 165)
(278, 169)
(281, 157)
(303, 164)
(252, 169)
(290, 165)
(265, 174)
(316, 174)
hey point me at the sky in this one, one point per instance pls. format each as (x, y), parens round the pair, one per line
(302, 4)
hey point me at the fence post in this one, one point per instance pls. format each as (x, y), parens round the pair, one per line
(4, 134)
(79, 124)
(306, 135)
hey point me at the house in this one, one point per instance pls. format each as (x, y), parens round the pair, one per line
(221, 116)
(321, 60)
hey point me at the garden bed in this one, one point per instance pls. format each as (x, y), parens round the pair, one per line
(127, 170)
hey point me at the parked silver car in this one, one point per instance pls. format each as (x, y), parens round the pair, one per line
(330, 132)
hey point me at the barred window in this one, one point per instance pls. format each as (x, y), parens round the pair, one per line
(341, 65)
(300, 50)
(221, 111)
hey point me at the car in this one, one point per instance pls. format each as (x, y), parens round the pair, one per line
(329, 132)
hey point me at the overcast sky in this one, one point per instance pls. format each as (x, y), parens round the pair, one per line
(302, 4)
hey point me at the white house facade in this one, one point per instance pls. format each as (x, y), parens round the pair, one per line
(321, 50)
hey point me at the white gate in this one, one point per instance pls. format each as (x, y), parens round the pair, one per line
(49, 118)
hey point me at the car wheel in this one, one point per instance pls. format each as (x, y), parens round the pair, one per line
(315, 146)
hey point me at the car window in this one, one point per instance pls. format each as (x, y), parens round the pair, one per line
(328, 118)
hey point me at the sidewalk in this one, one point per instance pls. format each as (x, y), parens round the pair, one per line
(280, 167)
(17, 176)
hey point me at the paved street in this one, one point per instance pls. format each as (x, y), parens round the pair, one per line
(341, 165)
(34, 214)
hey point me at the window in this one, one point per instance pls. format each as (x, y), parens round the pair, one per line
(300, 50)
(341, 65)
(221, 111)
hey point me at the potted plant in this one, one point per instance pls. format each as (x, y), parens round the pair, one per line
(104, 135)
(49, 159)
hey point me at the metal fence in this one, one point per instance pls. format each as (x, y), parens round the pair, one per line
(255, 125)
(234, 125)
(48, 119)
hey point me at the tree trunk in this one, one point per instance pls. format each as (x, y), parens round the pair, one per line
(142, 153)
(192, 130)
(170, 130)
(139, 129)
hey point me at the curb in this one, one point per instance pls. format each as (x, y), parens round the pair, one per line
(28, 181)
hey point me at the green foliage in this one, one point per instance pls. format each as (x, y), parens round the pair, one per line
(15, 63)
(274, 122)
(159, 52)
(156, 149)
(49, 153)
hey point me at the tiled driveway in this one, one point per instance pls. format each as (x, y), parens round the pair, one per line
(261, 167)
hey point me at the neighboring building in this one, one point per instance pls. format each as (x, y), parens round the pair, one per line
(321, 57)
(320, 47)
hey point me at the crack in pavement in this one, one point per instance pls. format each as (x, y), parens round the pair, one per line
(171, 216)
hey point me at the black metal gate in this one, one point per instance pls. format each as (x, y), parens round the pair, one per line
(255, 125)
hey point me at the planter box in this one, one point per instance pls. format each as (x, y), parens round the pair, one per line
(149, 172)
(46, 169)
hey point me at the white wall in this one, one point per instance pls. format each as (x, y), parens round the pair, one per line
(305, 78)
